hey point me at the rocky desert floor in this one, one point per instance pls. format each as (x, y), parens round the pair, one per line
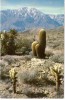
(34, 79)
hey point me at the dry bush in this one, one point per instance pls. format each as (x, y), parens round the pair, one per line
(4, 69)
(49, 53)
(9, 59)
(23, 45)
(59, 58)
(37, 75)
(28, 76)
(8, 42)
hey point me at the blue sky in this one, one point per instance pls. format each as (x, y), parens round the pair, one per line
(46, 6)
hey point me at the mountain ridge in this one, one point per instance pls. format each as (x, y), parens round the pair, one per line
(24, 18)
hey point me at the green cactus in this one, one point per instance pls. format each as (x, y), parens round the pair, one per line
(40, 51)
(39, 48)
(42, 38)
(33, 48)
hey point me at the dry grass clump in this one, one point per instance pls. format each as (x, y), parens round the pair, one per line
(49, 53)
(9, 59)
(4, 68)
(36, 95)
(28, 76)
(55, 38)
(57, 58)
(38, 75)
(3, 63)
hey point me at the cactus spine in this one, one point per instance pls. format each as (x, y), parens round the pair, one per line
(38, 48)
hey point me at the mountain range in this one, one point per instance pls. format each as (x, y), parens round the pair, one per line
(28, 18)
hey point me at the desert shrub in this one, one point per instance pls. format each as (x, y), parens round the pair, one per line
(35, 77)
(49, 53)
(47, 64)
(24, 50)
(24, 46)
(28, 76)
(9, 59)
(3, 63)
(57, 58)
(8, 45)
(4, 68)
(13, 31)
(44, 72)
(14, 43)
(4, 40)
(35, 94)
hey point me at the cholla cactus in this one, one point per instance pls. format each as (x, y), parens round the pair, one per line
(12, 74)
(2, 36)
(56, 72)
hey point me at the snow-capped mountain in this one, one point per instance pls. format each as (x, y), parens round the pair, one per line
(25, 18)
(59, 18)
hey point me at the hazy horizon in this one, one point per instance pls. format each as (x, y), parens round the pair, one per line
(45, 6)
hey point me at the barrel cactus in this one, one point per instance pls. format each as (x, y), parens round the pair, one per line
(38, 48)
(33, 48)
(40, 51)
(42, 37)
